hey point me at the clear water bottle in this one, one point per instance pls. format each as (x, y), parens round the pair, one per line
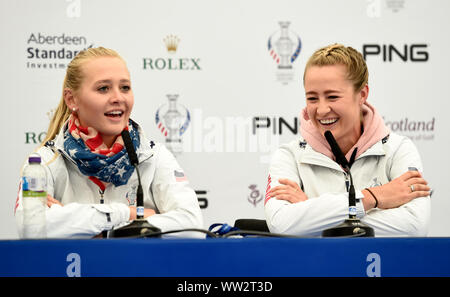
(34, 195)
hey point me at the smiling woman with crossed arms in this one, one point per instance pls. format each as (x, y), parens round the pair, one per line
(307, 189)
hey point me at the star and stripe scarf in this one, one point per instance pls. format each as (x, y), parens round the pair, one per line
(94, 159)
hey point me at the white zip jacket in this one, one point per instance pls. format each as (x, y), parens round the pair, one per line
(324, 183)
(82, 215)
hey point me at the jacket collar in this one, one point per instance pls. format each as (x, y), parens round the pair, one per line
(310, 156)
(147, 147)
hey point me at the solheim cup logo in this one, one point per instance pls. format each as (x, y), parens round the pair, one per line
(284, 47)
(173, 120)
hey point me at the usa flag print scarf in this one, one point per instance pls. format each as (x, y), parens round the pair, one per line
(94, 159)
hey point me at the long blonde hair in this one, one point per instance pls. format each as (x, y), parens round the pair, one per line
(73, 80)
(334, 54)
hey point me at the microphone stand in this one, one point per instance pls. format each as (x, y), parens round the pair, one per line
(139, 226)
(351, 227)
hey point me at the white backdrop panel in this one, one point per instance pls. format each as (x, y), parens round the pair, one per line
(228, 78)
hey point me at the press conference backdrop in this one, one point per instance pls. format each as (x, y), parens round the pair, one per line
(223, 79)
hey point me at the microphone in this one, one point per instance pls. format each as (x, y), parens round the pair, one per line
(140, 226)
(135, 162)
(351, 227)
(340, 158)
(130, 148)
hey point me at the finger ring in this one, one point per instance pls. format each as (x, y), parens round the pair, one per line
(412, 188)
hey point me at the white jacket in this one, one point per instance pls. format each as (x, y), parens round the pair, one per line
(82, 215)
(324, 182)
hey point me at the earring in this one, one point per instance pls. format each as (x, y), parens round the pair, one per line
(74, 109)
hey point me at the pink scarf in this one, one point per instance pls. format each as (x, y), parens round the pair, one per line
(374, 131)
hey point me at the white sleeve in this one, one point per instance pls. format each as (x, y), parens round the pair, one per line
(76, 220)
(175, 199)
(306, 218)
(412, 218)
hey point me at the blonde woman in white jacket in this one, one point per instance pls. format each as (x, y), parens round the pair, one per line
(307, 189)
(91, 184)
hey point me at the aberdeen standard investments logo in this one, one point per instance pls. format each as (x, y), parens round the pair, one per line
(284, 46)
(171, 62)
(48, 51)
(172, 120)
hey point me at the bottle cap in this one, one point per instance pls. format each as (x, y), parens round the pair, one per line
(34, 159)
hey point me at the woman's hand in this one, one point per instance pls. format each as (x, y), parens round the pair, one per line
(147, 212)
(401, 190)
(51, 201)
(289, 191)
